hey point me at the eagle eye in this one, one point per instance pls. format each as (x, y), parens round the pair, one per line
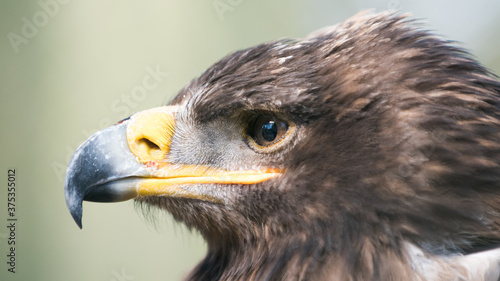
(267, 131)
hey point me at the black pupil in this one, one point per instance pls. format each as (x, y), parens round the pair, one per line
(269, 131)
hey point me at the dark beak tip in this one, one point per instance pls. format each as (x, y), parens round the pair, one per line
(78, 219)
(74, 204)
(76, 213)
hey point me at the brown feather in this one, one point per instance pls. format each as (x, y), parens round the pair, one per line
(398, 141)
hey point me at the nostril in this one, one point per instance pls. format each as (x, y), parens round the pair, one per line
(147, 144)
(149, 149)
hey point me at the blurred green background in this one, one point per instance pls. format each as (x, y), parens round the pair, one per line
(69, 68)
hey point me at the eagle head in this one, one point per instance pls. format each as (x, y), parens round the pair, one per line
(367, 151)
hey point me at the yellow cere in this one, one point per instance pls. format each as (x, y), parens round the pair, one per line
(150, 132)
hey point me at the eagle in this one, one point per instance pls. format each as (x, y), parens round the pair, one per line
(369, 150)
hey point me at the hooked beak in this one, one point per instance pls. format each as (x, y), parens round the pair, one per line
(130, 159)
